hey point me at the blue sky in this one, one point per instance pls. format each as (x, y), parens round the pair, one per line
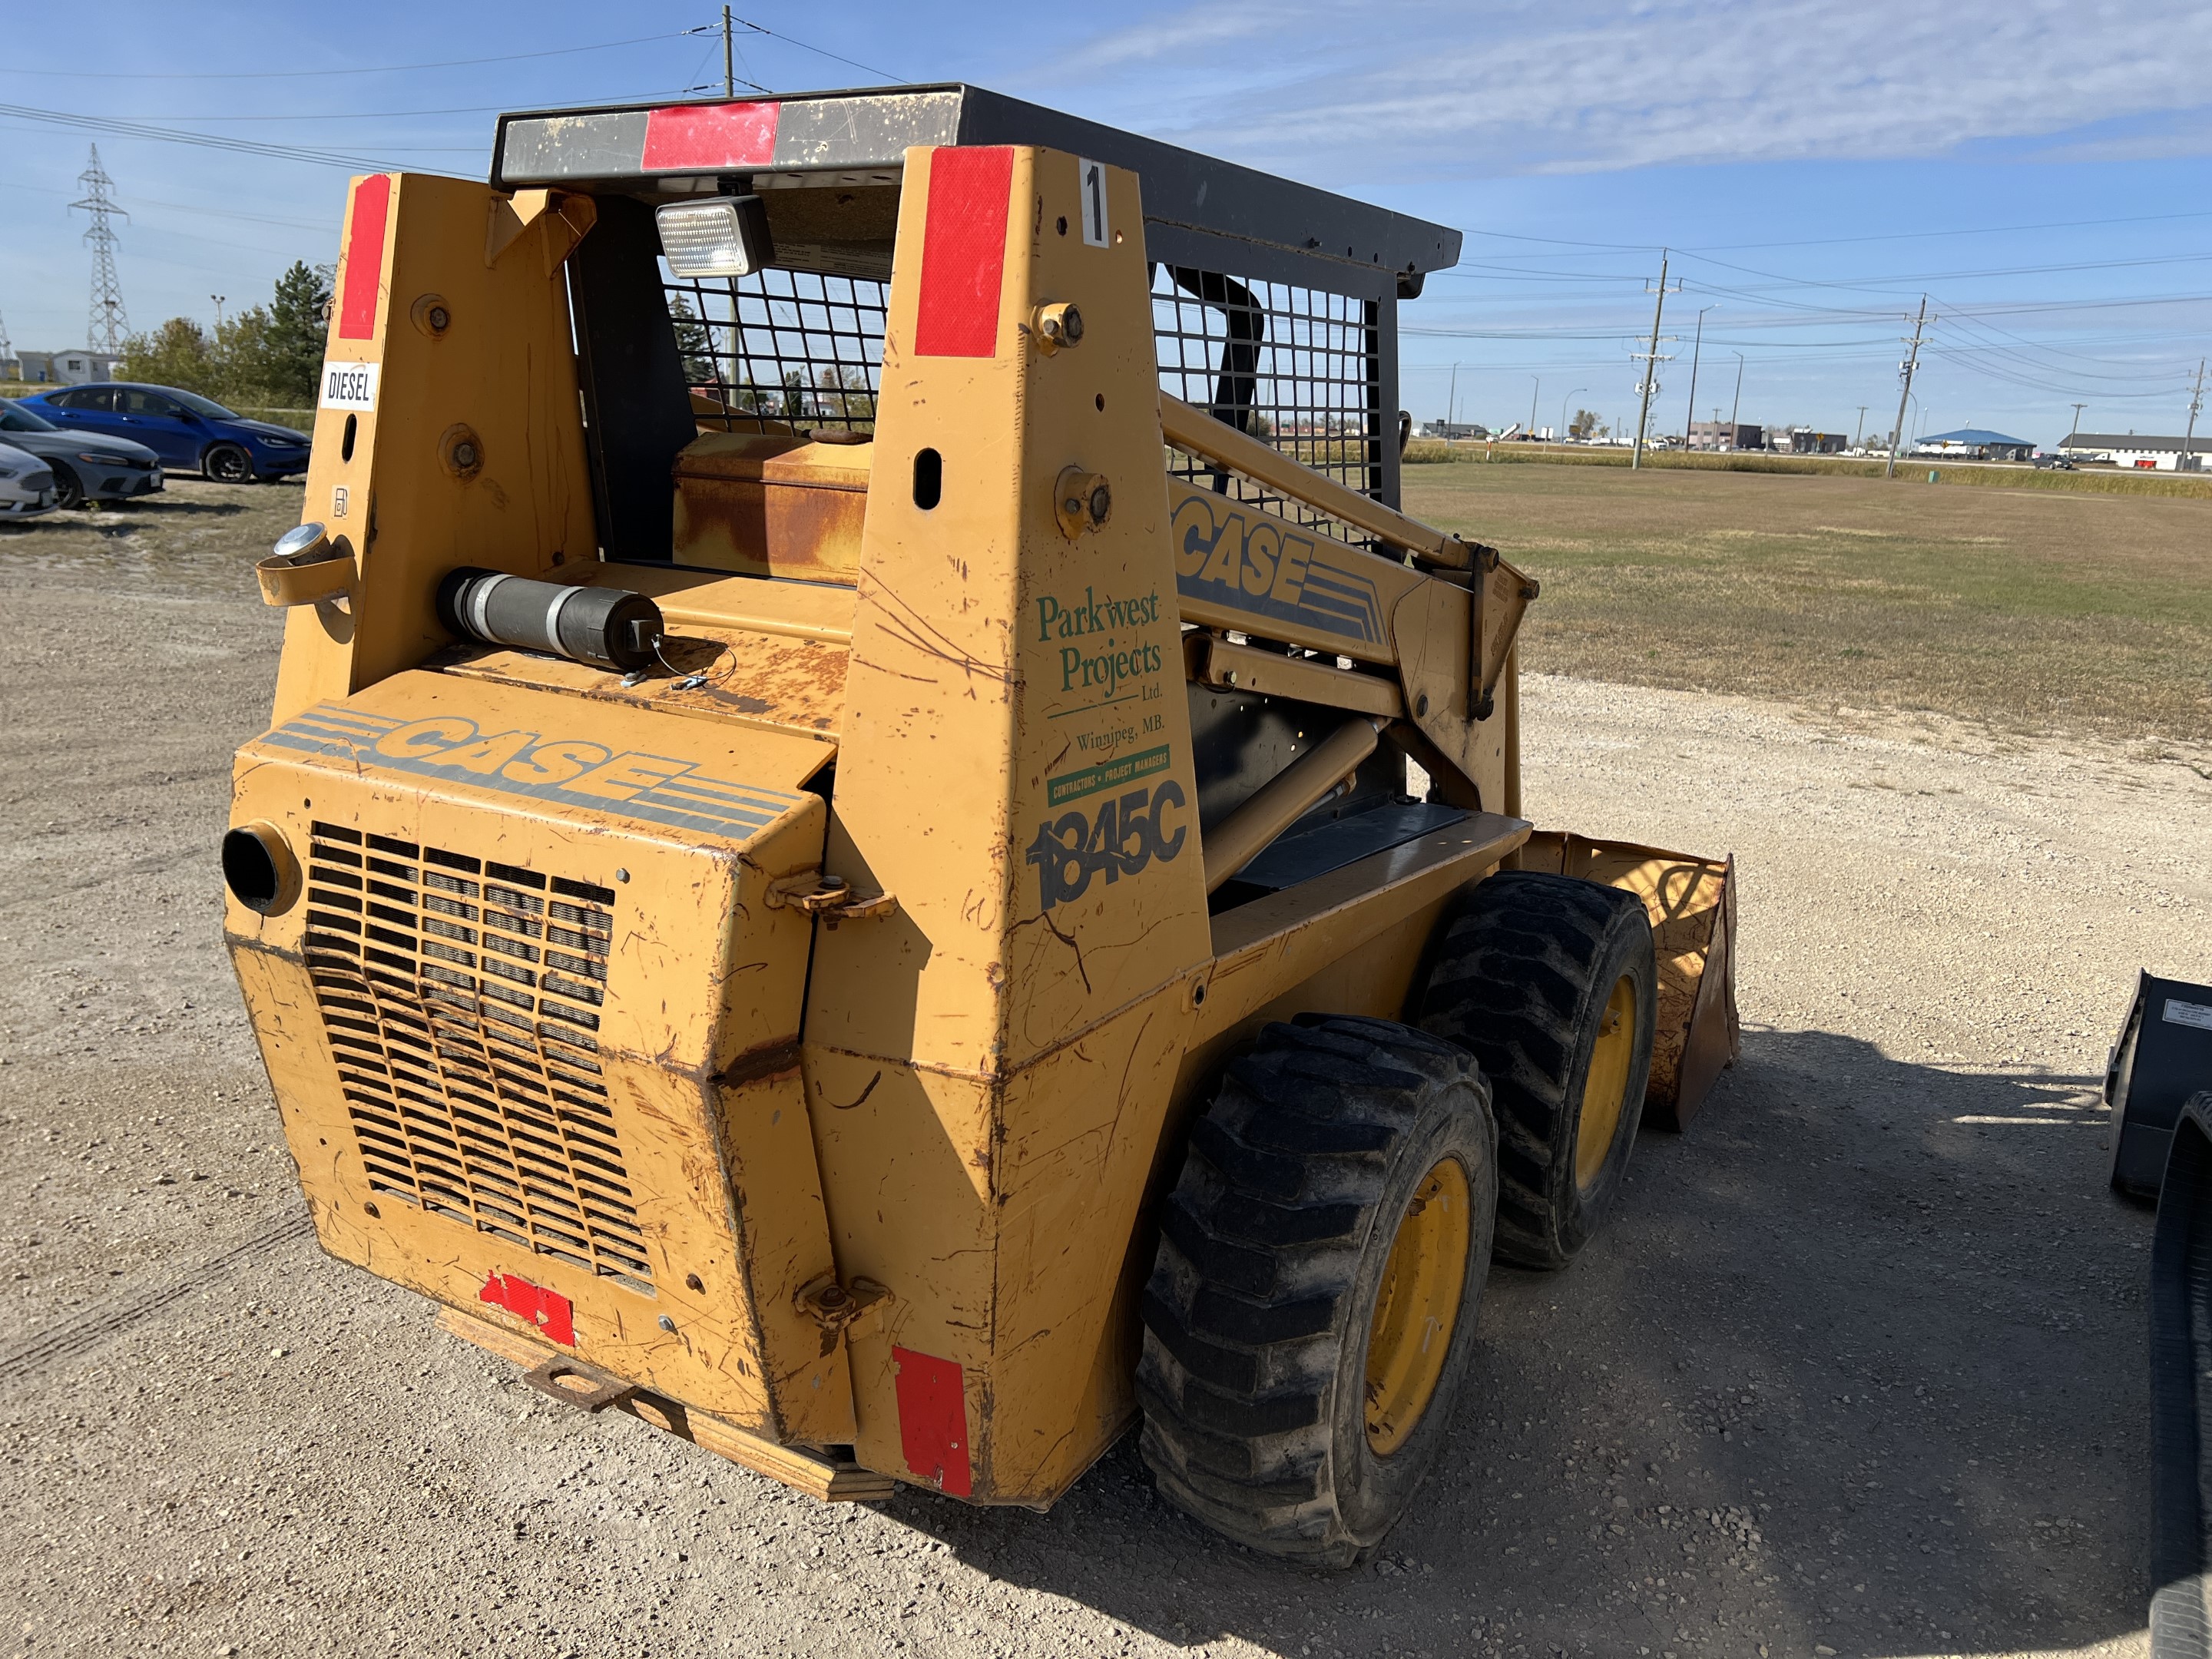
(2039, 169)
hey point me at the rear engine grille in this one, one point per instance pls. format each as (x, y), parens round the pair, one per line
(461, 998)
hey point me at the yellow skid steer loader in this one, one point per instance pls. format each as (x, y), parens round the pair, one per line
(834, 867)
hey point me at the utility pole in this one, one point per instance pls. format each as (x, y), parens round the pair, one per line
(729, 73)
(2078, 408)
(1735, 408)
(1859, 431)
(109, 322)
(7, 351)
(2189, 443)
(1651, 358)
(1906, 369)
(1696, 351)
(1533, 396)
(1451, 404)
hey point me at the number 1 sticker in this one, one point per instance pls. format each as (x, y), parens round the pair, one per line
(1093, 174)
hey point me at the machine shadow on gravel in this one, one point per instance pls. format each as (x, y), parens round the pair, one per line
(1886, 1383)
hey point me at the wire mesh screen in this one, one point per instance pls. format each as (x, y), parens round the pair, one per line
(1298, 367)
(794, 346)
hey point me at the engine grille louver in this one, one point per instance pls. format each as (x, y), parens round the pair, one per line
(461, 997)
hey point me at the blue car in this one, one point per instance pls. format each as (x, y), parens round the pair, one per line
(187, 431)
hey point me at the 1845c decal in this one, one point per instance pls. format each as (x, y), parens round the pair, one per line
(1128, 832)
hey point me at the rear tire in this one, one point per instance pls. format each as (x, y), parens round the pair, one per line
(1306, 1326)
(1535, 978)
(227, 464)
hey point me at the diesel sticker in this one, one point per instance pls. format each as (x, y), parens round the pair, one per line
(349, 385)
(1245, 560)
(1129, 832)
(660, 788)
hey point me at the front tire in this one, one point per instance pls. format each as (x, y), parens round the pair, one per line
(69, 489)
(1550, 982)
(227, 464)
(1312, 1308)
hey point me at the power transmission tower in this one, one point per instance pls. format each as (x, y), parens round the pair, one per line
(2188, 443)
(1651, 360)
(109, 323)
(729, 74)
(1905, 371)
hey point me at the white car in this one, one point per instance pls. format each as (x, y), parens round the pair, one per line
(26, 484)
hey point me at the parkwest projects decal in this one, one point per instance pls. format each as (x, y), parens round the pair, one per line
(1086, 661)
(1096, 644)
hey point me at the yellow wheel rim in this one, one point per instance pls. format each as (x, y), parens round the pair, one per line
(1418, 1308)
(1605, 1092)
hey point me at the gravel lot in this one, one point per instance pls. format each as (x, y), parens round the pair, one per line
(1858, 1369)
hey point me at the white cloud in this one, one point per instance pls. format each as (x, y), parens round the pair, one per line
(1551, 85)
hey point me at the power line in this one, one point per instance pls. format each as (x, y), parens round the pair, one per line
(298, 74)
(789, 40)
(205, 140)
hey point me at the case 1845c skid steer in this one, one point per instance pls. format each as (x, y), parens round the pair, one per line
(834, 867)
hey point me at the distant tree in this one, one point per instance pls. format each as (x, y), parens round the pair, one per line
(178, 353)
(264, 357)
(693, 342)
(848, 396)
(1585, 425)
(288, 347)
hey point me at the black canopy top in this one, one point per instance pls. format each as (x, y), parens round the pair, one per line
(858, 138)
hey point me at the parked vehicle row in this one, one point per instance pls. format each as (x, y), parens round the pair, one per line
(115, 441)
(27, 485)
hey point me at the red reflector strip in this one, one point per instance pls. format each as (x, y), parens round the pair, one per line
(932, 1408)
(364, 258)
(711, 136)
(553, 1314)
(964, 254)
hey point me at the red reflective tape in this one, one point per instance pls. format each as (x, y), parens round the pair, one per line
(933, 1409)
(964, 252)
(711, 136)
(553, 1314)
(364, 258)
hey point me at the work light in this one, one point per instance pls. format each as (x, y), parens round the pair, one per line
(725, 237)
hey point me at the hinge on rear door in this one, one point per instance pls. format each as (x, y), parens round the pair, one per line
(837, 1307)
(829, 897)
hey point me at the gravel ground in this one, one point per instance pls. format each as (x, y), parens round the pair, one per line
(1858, 1369)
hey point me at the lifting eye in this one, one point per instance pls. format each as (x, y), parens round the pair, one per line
(929, 478)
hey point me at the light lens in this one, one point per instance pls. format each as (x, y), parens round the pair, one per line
(726, 237)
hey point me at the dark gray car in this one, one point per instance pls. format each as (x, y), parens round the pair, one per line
(86, 466)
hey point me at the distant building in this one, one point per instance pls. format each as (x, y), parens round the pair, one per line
(1725, 436)
(2137, 450)
(1973, 443)
(70, 367)
(1804, 440)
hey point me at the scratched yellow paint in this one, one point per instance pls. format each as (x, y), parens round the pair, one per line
(963, 1109)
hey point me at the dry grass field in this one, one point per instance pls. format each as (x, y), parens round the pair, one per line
(2033, 611)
